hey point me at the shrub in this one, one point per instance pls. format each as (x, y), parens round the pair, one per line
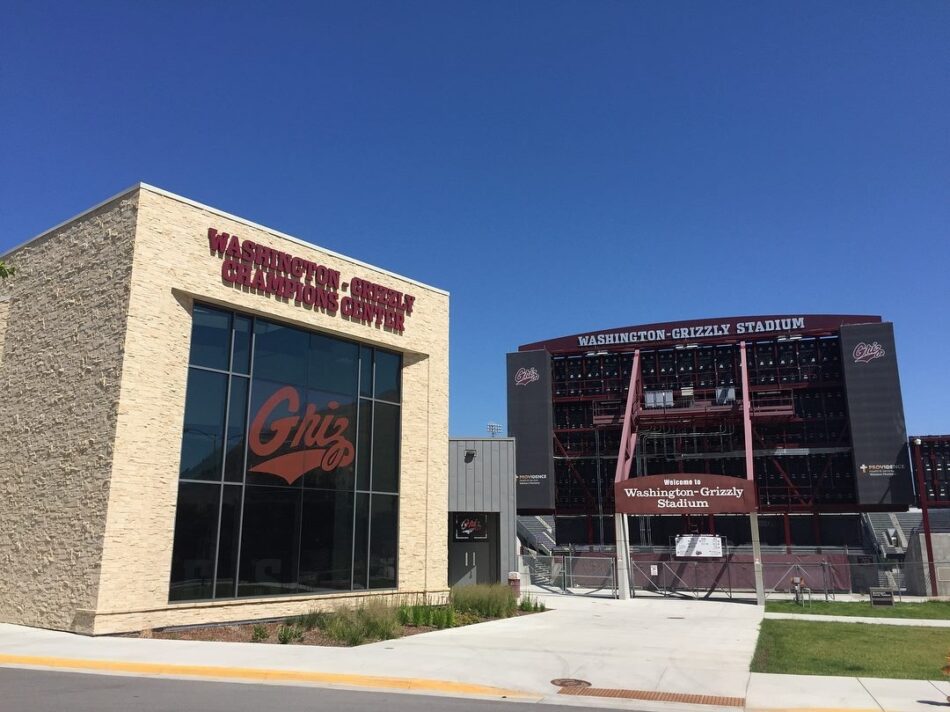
(465, 617)
(488, 601)
(309, 620)
(288, 634)
(404, 614)
(379, 620)
(259, 633)
(374, 621)
(343, 626)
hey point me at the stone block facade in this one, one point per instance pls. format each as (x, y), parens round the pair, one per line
(124, 314)
(61, 373)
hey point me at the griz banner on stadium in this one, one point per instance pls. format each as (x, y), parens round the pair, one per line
(684, 494)
(695, 331)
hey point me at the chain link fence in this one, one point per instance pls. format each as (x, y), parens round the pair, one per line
(733, 576)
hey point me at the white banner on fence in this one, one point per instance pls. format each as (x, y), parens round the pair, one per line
(699, 546)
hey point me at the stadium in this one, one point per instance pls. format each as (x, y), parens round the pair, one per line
(808, 407)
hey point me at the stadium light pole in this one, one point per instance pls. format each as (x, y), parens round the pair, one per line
(494, 429)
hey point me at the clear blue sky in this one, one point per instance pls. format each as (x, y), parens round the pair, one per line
(557, 166)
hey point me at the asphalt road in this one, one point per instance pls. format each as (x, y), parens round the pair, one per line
(49, 691)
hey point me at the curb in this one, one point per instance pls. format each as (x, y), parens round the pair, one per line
(406, 684)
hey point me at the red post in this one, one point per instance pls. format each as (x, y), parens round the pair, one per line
(922, 494)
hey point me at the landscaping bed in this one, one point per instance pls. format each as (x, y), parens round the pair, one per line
(851, 649)
(373, 621)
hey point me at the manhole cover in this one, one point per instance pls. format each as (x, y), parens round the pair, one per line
(569, 682)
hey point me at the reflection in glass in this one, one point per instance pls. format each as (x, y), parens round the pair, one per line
(202, 442)
(237, 430)
(326, 541)
(386, 448)
(196, 525)
(364, 455)
(333, 365)
(269, 541)
(366, 371)
(241, 363)
(387, 376)
(360, 542)
(228, 541)
(210, 338)
(280, 353)
(382, 547)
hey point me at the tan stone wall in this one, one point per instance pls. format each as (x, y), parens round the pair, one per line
(61, 369)
(172, 267)
(4, 315)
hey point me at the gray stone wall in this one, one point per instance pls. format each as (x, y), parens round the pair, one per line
(61, 370)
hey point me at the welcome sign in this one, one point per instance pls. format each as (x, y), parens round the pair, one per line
(684, 494)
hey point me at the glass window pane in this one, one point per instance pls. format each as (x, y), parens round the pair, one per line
(326, 541)
(228, 541)
(387, 376)
(386, 448)
(334, 365)
(241, 363)
(202, 443)
(294, 432)
(329, 440)
(196, 528)
(237, 429)
(366, 372)
(210, 337)
(360, 541)
(272, 458)
(269, 541)
(383, 541)
(280, 353)
(364, 446)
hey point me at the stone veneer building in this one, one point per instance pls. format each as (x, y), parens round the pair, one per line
(207, 420)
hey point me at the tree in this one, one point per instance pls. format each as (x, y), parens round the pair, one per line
(6, 271)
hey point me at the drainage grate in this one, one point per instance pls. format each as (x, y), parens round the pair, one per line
(653, 696)
(569, 682)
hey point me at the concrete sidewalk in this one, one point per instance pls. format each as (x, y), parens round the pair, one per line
(663, 653)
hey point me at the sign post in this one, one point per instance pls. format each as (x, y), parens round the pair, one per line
(623, 556)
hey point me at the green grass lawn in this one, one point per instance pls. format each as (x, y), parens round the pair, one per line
(939, 610)
(851, 649)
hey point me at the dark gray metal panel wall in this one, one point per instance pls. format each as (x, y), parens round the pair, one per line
(486, 484)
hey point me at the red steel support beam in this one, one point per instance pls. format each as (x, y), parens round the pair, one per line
(922, 494)
(628, 437)
(746, 413)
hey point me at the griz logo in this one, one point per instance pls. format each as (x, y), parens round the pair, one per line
(470, 526)
(315, 440)
(524, 376)
(867, 352)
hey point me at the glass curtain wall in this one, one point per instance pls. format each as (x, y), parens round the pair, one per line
(289, 478)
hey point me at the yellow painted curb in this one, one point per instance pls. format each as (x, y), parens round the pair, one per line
(263, 675)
